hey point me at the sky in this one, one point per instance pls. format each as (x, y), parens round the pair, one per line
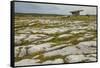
(23, 7)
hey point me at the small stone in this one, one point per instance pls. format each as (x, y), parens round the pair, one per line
(75, 58)
(65, 35)
(58, 61)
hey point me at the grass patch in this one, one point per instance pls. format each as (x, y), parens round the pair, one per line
(43, 58)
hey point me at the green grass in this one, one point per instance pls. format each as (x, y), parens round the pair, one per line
(43, 58)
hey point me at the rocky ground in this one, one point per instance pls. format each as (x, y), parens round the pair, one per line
(48, 40)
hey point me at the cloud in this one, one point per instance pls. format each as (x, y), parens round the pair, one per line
(22, 7)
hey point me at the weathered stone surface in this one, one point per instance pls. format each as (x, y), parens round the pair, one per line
(75, 58)
(65, 35)
(83, 47)
(26, 62)
(56, 61)
(22, 52)
(51, 40)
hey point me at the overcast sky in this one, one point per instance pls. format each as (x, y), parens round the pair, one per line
(22, 7)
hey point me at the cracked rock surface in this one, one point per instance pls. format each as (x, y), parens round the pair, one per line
(53, 40)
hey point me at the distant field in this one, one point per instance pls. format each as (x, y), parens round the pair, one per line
(51, 39)
(61, 17)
